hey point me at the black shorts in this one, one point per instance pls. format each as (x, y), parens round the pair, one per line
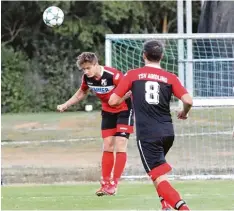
(153, 152)
(117, 124)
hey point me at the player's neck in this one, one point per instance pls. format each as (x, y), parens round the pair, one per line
(153, 64)
(99, 72)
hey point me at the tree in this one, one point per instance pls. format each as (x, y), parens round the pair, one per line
(49, 54)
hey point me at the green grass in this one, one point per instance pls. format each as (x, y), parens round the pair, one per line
(195, 150)
(50, 126)
(200, 195)
(68, 125)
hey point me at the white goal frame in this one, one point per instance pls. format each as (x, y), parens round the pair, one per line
(182, 61)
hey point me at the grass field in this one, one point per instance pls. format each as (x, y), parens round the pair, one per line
(50, 126)
(203, 146)
(200, 195)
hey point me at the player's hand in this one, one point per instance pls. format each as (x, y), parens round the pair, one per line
(182, 115)
(62, 107)
(128, 94)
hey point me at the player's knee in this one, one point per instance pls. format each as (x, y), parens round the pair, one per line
(160, 179)
(121, 144)
(108, 144)
(108, 147)
(158, 173)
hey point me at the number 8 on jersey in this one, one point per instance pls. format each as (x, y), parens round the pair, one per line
(152, 89)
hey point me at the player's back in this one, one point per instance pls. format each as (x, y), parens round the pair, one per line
(152, 91)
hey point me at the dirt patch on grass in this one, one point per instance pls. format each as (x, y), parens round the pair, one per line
(50, 164)
(68, 124)
(28, 125)
(225, 153)
(57, 156)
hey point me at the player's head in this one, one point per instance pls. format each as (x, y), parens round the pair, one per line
(152, 51)
(88, 63)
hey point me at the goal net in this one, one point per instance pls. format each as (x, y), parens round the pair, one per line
(205, 65)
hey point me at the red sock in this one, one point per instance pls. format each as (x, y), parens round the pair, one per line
(171, 196)
(107, 165)
(120, 161)
(164, 204)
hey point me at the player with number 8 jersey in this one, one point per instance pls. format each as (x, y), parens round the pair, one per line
(152, 88)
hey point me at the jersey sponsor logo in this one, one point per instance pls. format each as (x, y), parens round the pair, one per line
(123, 128)
(101, 90)
(103, 82)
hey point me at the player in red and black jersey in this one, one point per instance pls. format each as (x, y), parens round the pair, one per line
(117, 123)
(152, 88)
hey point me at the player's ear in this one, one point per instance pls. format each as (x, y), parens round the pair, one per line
(96, 64)
(144, 57)
(162, 56)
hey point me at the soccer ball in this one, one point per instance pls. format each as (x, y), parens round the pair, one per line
(53, 16)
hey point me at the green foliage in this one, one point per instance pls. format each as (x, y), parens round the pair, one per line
(14, 66)
(38, 62)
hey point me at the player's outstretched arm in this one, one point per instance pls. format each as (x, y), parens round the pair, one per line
(77, 97)
(187, 105)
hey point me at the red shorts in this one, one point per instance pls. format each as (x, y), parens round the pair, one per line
(117, 124)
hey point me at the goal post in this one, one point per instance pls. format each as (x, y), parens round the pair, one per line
(208, 62)
(203, 146)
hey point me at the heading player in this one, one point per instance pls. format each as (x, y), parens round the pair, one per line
(117, 123)
(152, 88)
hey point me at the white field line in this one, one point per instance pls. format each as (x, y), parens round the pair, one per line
(97, 138)
(128, 209)
(188, 195)
(180, 177)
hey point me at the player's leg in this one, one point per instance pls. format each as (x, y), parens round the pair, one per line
(121, 141)
(108, 131)
(120, 161)
(125, 124)
(171, 194)
(124, 128)
(150, 153)
(157, 168)
(167, 145)
(107, 157)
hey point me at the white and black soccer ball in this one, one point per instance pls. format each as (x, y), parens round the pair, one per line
(53, 16)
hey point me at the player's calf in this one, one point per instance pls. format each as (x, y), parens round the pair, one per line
(121, 157)
(164, 188)
(165, 205)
